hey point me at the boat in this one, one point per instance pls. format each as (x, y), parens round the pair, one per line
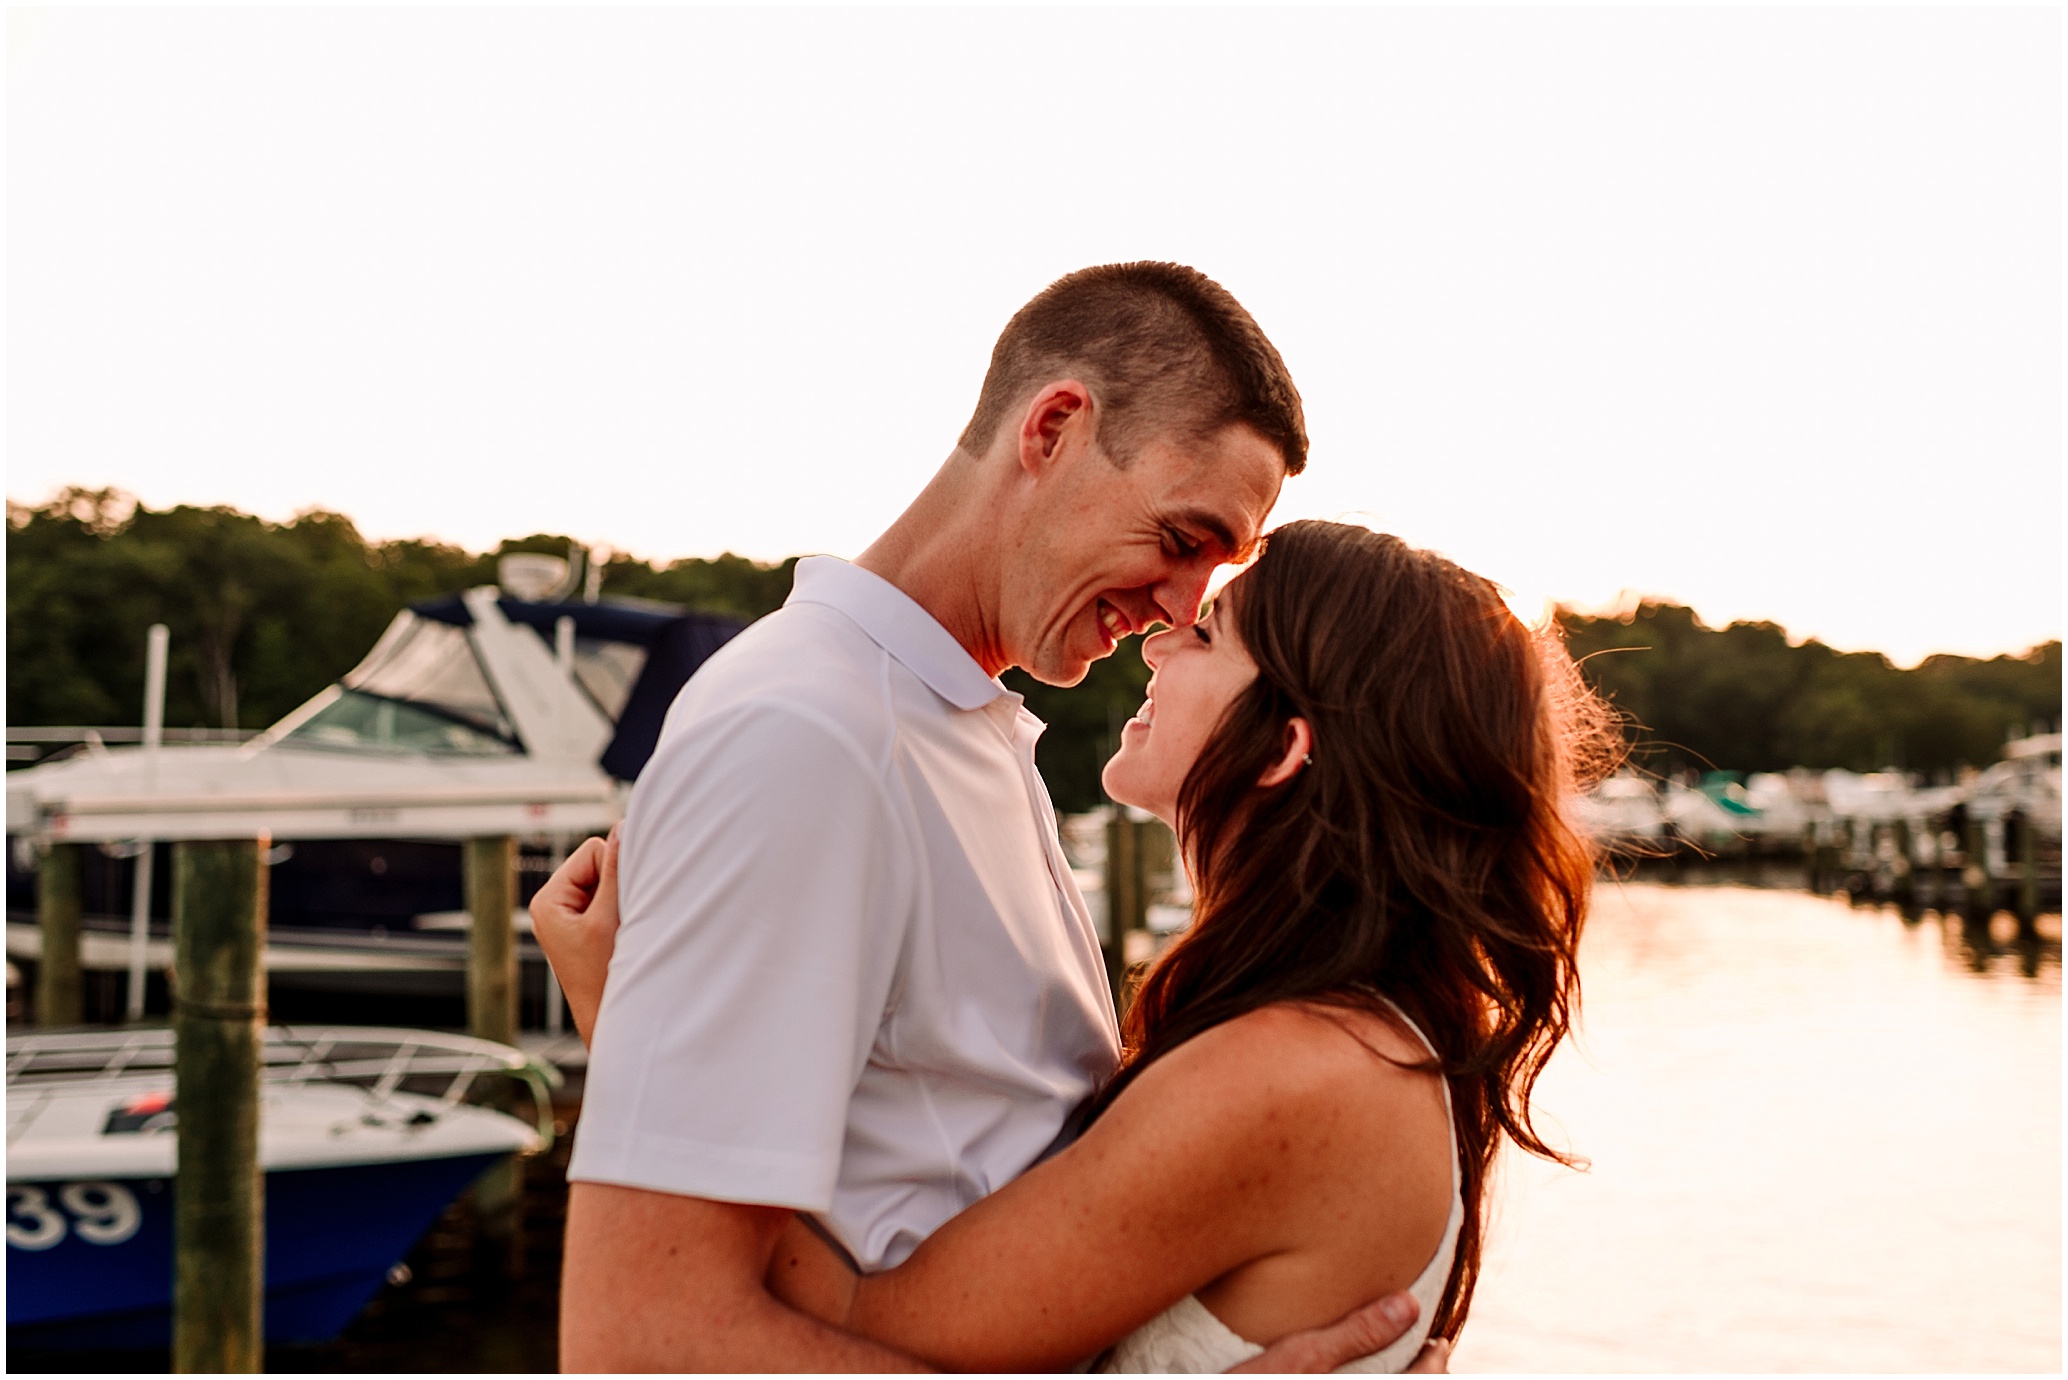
(2025, 782)
(365, 1137)
(511, 709)
(1622, 812)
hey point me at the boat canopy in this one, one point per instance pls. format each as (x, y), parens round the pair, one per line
(423, 689)
(472, 716)
(631, 656)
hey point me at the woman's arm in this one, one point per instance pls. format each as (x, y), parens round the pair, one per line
(574, 918)
(805, 1273)
(1195, 1171)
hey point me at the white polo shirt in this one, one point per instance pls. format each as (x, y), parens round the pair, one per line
(854, 974)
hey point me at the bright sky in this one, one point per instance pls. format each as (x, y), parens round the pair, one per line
(1758, 309)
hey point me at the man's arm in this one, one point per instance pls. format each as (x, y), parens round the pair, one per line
(1360, 1333)
(661, 1282)
(747, 985)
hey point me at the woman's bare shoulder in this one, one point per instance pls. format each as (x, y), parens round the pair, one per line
(1293, 1058)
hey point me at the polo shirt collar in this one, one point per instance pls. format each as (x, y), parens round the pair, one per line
(896, 623)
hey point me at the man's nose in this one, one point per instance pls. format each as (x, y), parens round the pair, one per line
(1181, 595)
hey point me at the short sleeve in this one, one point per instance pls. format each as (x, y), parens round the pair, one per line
(765, 893)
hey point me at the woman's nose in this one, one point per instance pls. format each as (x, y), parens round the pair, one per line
(1153, 646)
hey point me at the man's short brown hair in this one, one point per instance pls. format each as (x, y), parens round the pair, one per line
(1164, 349)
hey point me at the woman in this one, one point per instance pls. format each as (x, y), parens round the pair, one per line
(1365, 757)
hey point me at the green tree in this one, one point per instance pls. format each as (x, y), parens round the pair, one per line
(1744, 698)
(262, 615)
(729, 584)
(1083, 723)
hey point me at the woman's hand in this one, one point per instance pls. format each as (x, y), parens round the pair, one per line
(574, 917)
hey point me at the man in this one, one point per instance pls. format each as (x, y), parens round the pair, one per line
(855, 978)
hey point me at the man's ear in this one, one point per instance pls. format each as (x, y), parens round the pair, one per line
(1299, 750)
(1053, 414)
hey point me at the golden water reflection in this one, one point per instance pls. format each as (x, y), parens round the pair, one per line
(1823, 1139)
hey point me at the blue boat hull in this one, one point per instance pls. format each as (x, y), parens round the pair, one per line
(332, 1235)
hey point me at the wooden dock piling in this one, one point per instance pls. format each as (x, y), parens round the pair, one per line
(219, 914)
(492, 939)
(2028, 873)
(491, 881)
(1126, 896)
(1975, 877)
(1847, 859)
(59, 995)
(1904, 867)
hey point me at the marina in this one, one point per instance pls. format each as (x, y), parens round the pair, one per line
(519, 713)
(225, 1185)
(1989, 842)
(409, 1180)
(1408, 443)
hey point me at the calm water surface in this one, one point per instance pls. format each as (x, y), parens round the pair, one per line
(1822, 1140)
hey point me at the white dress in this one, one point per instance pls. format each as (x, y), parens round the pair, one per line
(1187, 1339)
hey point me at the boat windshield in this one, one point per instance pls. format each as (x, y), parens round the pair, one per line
(358, 721)
(607, 671)
(421, 689)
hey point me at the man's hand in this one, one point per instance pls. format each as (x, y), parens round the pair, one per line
(574, 917)
(1371, 1328)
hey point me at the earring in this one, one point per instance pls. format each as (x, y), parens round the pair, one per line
(1308, 759)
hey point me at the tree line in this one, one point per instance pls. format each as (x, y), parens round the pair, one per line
(1745, 698)
(264, 615)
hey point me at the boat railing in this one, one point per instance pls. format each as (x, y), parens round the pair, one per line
(381, 1060)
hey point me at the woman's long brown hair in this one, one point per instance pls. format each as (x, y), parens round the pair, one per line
(1423, 855)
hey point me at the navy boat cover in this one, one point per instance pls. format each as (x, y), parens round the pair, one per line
(676, 642)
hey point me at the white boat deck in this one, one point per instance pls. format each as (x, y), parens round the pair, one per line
(98, 1104)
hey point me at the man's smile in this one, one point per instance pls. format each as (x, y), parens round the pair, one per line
(1113, 623)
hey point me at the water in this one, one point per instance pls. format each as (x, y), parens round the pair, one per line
(1822, 1140)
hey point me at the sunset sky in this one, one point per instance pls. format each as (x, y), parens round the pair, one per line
(1757, 309)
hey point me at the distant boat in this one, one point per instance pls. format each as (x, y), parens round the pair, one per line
(475, 714)
(363, 1137)
(2027, 782)
(1622, 810)
(1781, 809)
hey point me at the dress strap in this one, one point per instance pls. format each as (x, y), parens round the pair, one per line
(1450, 1115)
